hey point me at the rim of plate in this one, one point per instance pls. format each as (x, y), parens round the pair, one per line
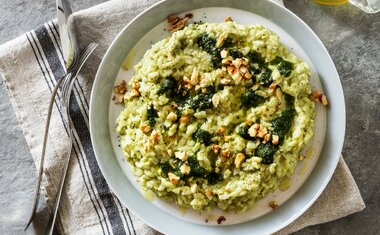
(279, 218)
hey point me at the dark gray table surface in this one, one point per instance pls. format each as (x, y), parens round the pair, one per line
(352, 38)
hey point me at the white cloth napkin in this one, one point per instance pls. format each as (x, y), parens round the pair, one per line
(31, 65)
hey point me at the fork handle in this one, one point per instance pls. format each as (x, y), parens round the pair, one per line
(53, 215)
(41, 166)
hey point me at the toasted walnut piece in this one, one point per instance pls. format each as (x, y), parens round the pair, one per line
(225, 81)
(236, 75)
(324, 100)
(275, 139)
(194, 80)
(180, 23)
(267, 137)
(237, 62)
(186, 79)
(173, 178)
(147, 146)
(183, 156)
(262, 132)
(135, 93)
(185, 169)
(245, 61)
(121, 88)
(247, 75)
(253, 130)
(135, 85)
(273, 204)
(154, 136)
(222, 130)
(224, 53)
(240, 157)
(144, 127)
(225, 153)
(184, 119)
(224, 68)
(118, 98)
(243, 69)
(221, 39)
(172, 117)
(172, 19)
(228, 19)
(319, 97)
(220, 72)
(215, 148)
(194, 188)
(227, 60)
(301, 157)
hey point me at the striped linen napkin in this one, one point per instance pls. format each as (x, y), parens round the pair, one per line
(31, 65)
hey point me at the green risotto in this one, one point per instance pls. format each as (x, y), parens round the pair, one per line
(216, 115)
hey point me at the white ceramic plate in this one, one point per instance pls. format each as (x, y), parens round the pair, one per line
(134, 40)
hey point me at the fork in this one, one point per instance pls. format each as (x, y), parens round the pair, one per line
(66, 92)
(68, 82)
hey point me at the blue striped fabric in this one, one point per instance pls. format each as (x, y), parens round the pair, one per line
(113, 217)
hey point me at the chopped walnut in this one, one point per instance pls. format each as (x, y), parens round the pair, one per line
(184, 119)
(119, 91)
(227, 60)
(172, 117)
(301, 157)
(183, 156)
(194, 79)
(240, 157)
(319, 97)
(275, 139)
(177, 23)
(225, 153)
(135, 93)
(273, 204)
(253, 130)
(228, 19)
(224, 53)
(172, 19)
(215, 148)
(135, 85)
(185, 169)
(144, 127)
(173, 178)
(267, 137)
(154, 136)
(221, 39)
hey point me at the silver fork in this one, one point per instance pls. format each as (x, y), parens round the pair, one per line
(66, 92)
(68, 82)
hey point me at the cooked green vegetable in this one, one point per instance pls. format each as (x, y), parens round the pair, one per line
(249, 99)
(195, 169)
(285, 68)
(167, 86)
(266, 152)
(243, 132)
(151, 114)
(203, 136)
(282, 123)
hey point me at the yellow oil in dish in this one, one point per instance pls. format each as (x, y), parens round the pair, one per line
(331, 2)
